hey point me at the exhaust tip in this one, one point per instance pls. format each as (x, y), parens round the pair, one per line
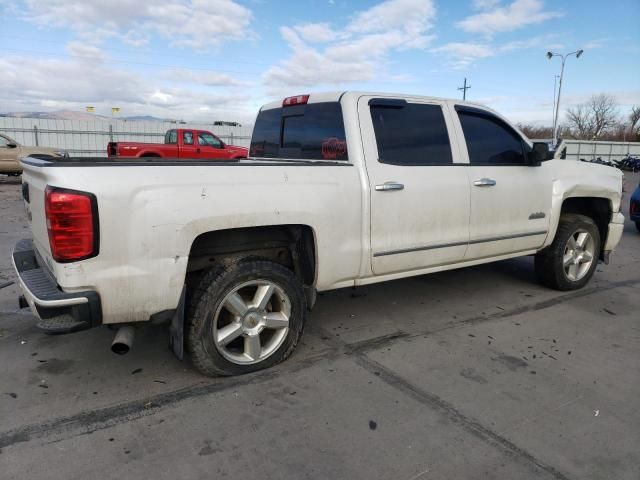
(123, 340)
(120, 348)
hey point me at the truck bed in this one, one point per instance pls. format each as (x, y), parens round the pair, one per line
(160, 161)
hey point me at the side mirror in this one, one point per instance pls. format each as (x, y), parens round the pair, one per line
(539, 153)
(12, 145)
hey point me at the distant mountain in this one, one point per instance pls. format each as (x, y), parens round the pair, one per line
(145, 118)
(56, 115)
(73, 115)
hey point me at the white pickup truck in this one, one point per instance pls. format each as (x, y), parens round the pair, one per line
(339, 190)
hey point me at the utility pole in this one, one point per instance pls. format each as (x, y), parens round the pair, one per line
(564, 57)
(464, 89)
(555, 90)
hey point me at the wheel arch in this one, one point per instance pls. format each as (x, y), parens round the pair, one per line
(599, 209)
(291, 245)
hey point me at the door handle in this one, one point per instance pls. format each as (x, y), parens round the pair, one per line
(385, 187)
(197, 150)
(485, 182)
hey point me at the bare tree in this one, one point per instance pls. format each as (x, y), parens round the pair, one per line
(592, 119)
(634, 121)
(579, 122)
(538, 132)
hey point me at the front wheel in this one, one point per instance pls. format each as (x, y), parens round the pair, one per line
(244, 317)
(571, 260)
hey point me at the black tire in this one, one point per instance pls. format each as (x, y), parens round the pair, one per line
(213, 287)
(549, 262)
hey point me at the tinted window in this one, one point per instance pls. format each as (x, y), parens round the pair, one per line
(411, 134)
(171, 137)
(207, 139)
(490, 141)
(187, 138)
(310, 132)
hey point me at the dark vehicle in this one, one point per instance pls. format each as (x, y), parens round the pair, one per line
(634, 207)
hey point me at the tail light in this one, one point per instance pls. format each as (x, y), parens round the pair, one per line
(72, 222)
(297, 100)
(634, 208)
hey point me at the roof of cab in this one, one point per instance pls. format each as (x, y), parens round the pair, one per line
(320, 97)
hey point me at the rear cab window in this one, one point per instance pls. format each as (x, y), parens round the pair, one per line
(171, 137)
(313, 131)
(410, 133)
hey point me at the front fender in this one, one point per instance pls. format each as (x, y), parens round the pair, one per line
(608, 187)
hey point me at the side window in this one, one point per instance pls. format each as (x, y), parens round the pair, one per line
(490, 141)
(171, 137)
(310, 132)
(206, 139)
(187, 138)
(411, 134)
(3, 141)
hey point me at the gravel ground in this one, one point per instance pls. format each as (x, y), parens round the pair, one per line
(476, 373)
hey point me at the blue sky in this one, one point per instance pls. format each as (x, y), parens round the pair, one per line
(221, 59)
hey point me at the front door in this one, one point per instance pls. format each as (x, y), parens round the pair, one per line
(510, 199)
(210, 146)
(419, 195)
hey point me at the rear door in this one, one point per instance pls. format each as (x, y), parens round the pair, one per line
(418, 184)
(188, 147)
(510, 199)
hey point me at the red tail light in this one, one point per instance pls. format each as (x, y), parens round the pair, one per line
(72, 222)
(297, 100)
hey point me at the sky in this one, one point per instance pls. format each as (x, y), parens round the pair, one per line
(206, 60)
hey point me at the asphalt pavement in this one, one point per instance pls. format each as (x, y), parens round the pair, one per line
(467, 374)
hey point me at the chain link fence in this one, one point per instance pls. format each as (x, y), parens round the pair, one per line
(89, 138)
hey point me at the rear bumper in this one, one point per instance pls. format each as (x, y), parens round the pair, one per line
(46, 299)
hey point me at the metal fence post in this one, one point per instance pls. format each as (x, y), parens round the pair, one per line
(231, 140)
(110, 133)
(35, 134)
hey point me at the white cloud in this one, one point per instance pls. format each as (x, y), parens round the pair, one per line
(316, 32)
(79, 49)
(485, 4)
(463, 54)
(207, 78)
(193, 23)
(55, 83)
(505, 19)
(355, 52)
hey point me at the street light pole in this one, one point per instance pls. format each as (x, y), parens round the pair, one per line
(564, 57)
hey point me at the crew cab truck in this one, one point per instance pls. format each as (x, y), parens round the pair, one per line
(179, 143)
(341, 189)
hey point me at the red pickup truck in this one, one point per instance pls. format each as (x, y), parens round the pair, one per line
(180, 143)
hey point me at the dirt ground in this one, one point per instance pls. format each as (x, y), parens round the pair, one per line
(475, 373)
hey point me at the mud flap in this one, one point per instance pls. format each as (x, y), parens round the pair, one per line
(176, 330)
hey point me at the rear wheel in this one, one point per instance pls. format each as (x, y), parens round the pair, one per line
(245, 317)
(571, 260)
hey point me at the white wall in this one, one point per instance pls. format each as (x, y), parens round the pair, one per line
(89, 138)
(590, 150)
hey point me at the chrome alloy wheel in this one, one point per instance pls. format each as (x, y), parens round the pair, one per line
(251, 322)
(579, 255)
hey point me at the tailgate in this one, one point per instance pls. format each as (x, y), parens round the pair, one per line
(34, 183)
